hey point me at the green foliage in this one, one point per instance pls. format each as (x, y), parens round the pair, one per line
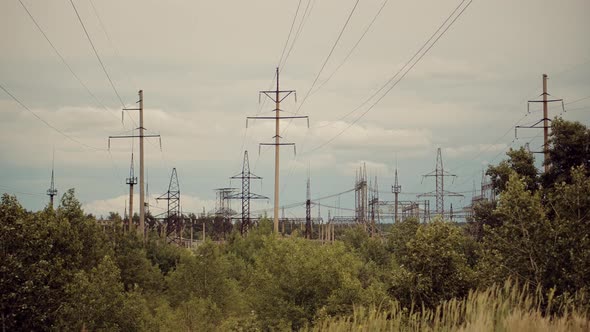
(401, 234)
(435, 267)
(520, 246)
(569, 147)
(204, 274)
(60, 271)
(484, 215)
(293, 279)
(569, 262)
(137, 271)
(520, 161)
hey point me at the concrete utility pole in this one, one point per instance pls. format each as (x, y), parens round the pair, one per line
(545, 125)
(275, 95)
(141, 136)
(141, 169)
(545, 121)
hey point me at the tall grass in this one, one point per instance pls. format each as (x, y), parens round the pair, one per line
(499, 308)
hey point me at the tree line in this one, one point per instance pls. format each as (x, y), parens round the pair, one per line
(60, 271)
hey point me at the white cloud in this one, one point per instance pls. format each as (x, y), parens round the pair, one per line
(468, 150)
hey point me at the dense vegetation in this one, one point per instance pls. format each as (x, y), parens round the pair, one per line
(60, 271)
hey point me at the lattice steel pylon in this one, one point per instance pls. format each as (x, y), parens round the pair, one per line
(173, 215)
(360, 194)
(439, 173)
(246, 195)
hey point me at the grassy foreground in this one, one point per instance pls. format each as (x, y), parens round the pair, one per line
(498, 308)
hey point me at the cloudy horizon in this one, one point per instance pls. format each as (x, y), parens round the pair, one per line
(201, 65)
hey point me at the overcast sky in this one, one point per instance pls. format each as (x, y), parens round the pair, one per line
(202, 63)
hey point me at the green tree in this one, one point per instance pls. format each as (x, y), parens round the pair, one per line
(435, 267)
(204, 274)
(569, 263)
(484, 215)
(520, 161)
(569, 146)
(295, 279)
(401, 234)
(519, 247)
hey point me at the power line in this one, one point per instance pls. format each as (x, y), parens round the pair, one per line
(327, 59)
(97, 56)
(577, 100)
(290, 32)
(354, 47)
(417, 54)
(63, 60)
(21, 192)
(400, 77)
(71, 138)
(406, 64)
(307, 11)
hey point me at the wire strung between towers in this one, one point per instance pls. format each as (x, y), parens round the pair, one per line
(71, 138)
(400, 78)
(104, 69)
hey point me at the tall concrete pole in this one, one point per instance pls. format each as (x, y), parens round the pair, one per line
(141, 170)
(277, 155)
(275, 95)
(545, 125)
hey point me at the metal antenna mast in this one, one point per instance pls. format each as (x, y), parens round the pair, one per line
(439, 173)
(141, 136)
(545, 121)
(246, 195)
(277, 96)
(131, 181)
(374, 206)
(396, 189)
(308, 209)
(173, 213)
(52, 192)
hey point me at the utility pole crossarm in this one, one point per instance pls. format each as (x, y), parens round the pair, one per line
(545, 121)
(276, 99)
(277, 96)
(275, 118)
(141, 136)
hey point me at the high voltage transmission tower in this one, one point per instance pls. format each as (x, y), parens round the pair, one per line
(52, 192)
(439, 173)
(141, 136)
(360, 195)
(173, 215)
(246, 195)
(277, 96)
(545, 121)
(131, 181)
